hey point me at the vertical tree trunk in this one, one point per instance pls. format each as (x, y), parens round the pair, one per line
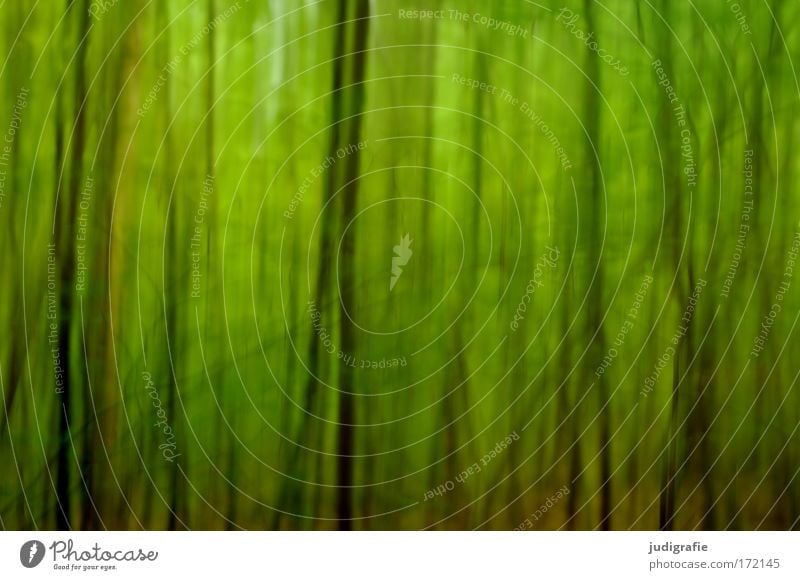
(594, 238)
(175, 306)
(65, 238)
(345, 443)
(678, 294)
(289, 489)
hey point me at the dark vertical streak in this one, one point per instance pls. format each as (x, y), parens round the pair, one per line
(345, 442)
(65, 237)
